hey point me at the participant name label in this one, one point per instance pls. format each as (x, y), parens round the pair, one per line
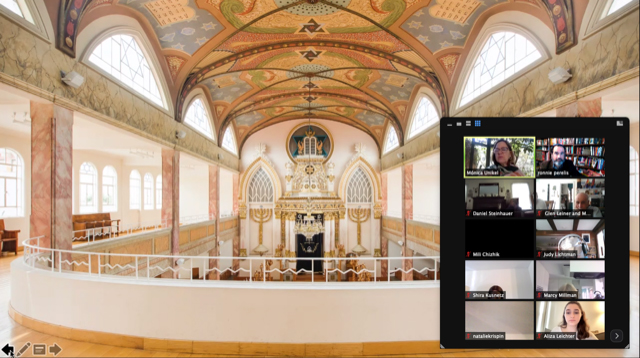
(549, 254)
(484, 336)
(557, 295)
(556, 336)
(483, 172)
(484, 295)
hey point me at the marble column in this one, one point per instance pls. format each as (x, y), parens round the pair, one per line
(214, 214)
(171, 197)
(384, 252)
(587, 108)
(236, 238)
(407, 214)
(51, 176)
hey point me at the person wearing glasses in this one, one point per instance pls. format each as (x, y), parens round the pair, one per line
(558, 163)
(504, 160)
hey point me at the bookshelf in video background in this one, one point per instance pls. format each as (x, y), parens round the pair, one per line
(585, 153)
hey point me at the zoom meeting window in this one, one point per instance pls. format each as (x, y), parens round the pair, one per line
(542, 244)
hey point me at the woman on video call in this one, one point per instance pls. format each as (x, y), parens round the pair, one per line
(574, 320)
(504, 160)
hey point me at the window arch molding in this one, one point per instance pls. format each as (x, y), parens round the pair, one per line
(493, 26)
(248, 174)
(420, 93)
(595, 18)
(200, 94)
(41, 25)
(374, 179)
(388, 146)
(234, 140)
(100, 30)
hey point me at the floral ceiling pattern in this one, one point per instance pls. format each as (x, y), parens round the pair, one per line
(261, 62)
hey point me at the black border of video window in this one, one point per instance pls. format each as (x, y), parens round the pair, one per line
(570, 238)
(499, 279)
(583, 157)
(523, 165)
(570, 197)
(499, 197)
(588, 318)
(562, 280)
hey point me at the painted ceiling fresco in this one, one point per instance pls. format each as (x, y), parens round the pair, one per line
(261, 62)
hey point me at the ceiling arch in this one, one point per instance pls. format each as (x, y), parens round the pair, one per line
(254, 57)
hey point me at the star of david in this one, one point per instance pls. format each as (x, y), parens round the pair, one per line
(311, 28)
(310, 54)
(309, 169)
(310, 85)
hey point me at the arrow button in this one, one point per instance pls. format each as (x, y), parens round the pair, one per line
(616, 336)
(55, 349)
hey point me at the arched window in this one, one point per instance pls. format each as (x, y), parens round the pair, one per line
(614, 5)
(424, 116)
(198, 118)
(392, 140)
(260, 188)
(159, 192)
(109, 189)
(148, 191)
(88, 188)
(18, 7)
(229, 141)
(11, 184)
(121, 57)
(359, 189)
(633, 182)
(134, 190)
(503, 55)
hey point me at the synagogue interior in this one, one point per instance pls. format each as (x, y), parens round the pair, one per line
(184, 176)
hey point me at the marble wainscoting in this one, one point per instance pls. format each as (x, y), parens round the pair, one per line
(32, 64)
(611, 52)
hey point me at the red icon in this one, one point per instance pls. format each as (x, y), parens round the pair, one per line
(538, 253)
(467, 294)
(539, 213)
(538, 294)
(468, 253)
(468, 335)
(538, 335)
(468, 212)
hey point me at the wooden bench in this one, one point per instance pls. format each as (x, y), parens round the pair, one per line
(8, 239)
(92, 225)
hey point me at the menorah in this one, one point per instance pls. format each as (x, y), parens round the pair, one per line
(359, 216)
(260, 216)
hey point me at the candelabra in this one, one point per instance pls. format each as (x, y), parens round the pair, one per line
(359, 216)
(260, 216)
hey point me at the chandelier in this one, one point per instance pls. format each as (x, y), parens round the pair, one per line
(309, 227)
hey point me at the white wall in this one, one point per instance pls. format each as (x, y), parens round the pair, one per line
(194, 191)
(513, 318)
(394, 193)
(142, 216)
(226, 192)
(395, 250)
(515, 277)
(22, 145)
(426, 192)
(208, 311)
(344, 140)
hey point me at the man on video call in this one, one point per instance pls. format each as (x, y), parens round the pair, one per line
(558, 163)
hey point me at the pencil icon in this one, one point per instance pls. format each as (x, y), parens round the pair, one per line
(23, 349)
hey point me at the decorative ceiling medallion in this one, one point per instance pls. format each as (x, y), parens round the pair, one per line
(312, 28)
(310, 54)
(457, 11)
(224, 81)
(449, 63)
(168, 12)
(395, 80)
(175, 64)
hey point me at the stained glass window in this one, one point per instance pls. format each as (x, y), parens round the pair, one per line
(198, 118)
(260, 188)
(228, 141)
(392, 139)
(359, 189)
(424, 116)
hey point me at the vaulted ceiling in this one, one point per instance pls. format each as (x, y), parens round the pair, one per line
(261, 62)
